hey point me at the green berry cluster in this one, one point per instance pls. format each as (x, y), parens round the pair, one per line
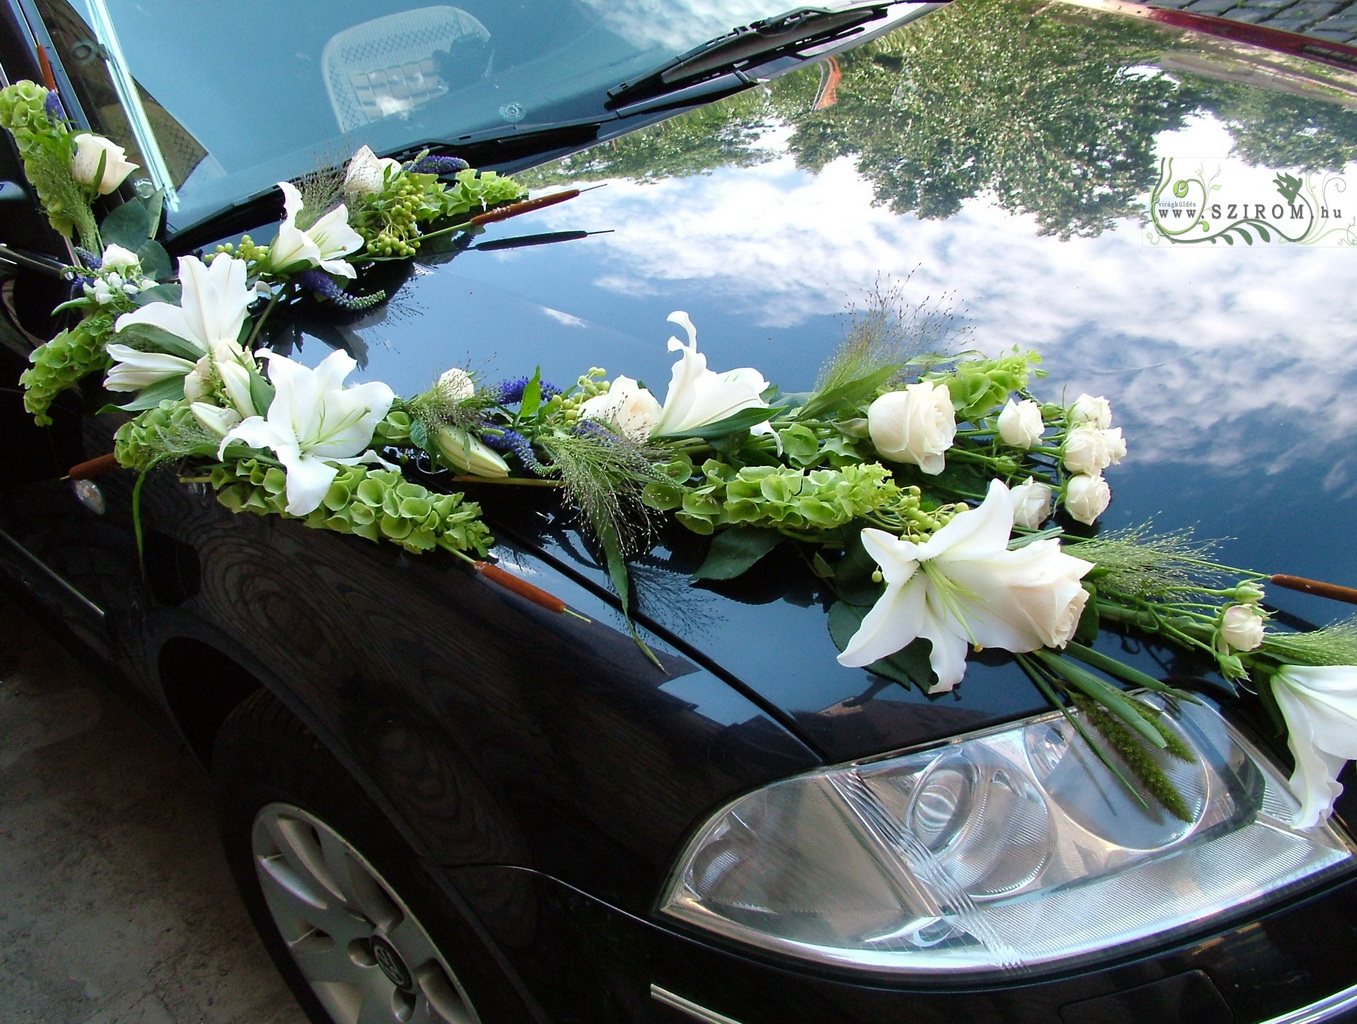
(777, 497)
(377, 504)
(389, 219)
(564, 410)
(170, 426)
(61, 362)
(255, 256)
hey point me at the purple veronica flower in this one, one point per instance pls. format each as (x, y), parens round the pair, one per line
(320, 282)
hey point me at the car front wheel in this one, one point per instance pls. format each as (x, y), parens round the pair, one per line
(338, 898)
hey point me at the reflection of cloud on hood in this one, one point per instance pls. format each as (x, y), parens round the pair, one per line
(679, 25)
(1194, 341)
(569, 319)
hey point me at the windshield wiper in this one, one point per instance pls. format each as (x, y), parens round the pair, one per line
(750, 46)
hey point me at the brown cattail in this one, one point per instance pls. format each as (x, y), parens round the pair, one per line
(526, 206)
(521, 587)
(94, 467)
(1317, 587)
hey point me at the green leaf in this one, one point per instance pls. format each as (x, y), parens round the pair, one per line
(736, 422)
(1104, 693)
(171, 293)
(152, 395)
(160, 340)
(852, 393)
(532, 396)
(130, 225)
(261, 392)
(734, 550)
(419, 435)
(909, 667)
(1124, 672)
(155, 261)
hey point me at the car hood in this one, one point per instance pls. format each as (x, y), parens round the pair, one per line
(999, 196)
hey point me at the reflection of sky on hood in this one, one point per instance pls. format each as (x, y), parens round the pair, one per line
(677, 25)
(1193, 341)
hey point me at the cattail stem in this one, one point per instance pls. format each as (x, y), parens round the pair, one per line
(524, 589)
(527, 205)
(92, 468)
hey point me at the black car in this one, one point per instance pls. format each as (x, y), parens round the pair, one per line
(445, 800)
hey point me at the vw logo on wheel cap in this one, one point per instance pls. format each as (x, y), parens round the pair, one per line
(391, 963)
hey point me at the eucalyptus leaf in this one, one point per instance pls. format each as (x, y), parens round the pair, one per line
(155, 261)
(735, 550)
(130, 225)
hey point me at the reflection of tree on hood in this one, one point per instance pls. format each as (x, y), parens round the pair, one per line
(1049, 115)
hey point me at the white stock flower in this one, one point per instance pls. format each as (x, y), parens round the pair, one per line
(314, 423)
(1087, 496)
(964, 587)
(1319, 704)
(1090, 449)
(1020, 423)
(367, 171)
(1242, 627)
(211, 309)
(699, 397)
(321, 245)
(916, 425)
(626, 406)
(1096, 411)
(89, 150)
(1032, 503)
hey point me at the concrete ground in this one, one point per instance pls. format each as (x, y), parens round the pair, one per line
(115, 902)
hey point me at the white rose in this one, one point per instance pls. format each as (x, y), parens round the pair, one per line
(1032, 503)
(915, 425)
(1020, 423)
(1087, 497)
(1242, 627)
(1089, 449)
(629, 408)
(85, 163)
(1095, 411)
(117, 258)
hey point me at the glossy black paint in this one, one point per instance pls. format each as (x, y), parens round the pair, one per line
(542, 763)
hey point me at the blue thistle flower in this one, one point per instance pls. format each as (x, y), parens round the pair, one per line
(440, 165)
(322, 284)
(509, 391)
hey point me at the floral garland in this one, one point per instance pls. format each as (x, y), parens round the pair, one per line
(926, 492)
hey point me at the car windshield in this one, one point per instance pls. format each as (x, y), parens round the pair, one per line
(220, 100)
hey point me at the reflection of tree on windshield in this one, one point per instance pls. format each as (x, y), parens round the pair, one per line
(1050, 116)
(1053, 114)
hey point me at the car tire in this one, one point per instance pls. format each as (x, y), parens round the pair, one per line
(358, 930)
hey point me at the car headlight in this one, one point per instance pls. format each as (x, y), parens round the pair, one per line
(1010, 848)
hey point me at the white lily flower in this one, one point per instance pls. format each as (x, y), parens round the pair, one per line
(1319, 704)
(211, 309)
(214, 418)
(367, 171)
(964, 587)
(315, 424)
(320, 245)
(134, 369)
(698, 396)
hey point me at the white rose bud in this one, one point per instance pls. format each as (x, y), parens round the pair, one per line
(1241, 627)
(1032, 502)
(1095, 411)
(455, 386)
(117, 258)
(629, 408)
(1089, 449)
(85, 163)
(1087, 497)
(1020, 423)
(915, 425)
